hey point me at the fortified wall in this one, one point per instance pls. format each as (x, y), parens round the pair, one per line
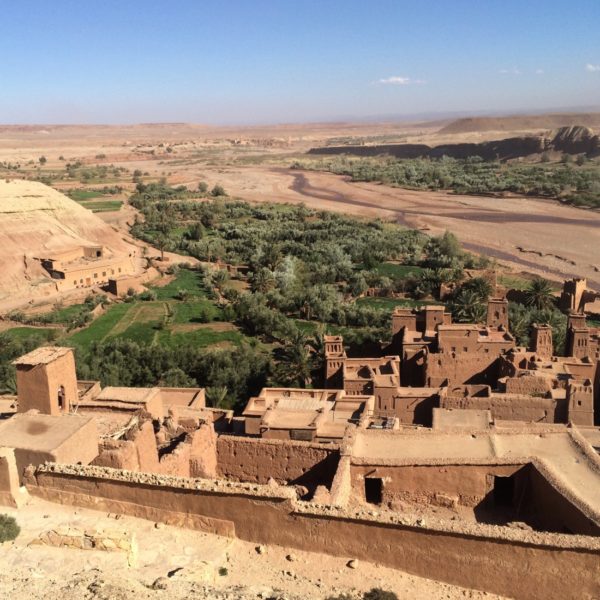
(476, 556)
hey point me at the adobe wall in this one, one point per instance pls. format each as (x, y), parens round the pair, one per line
(467, 485)
(38, 385)
(390, 401)
(514, 407)
(81, 447)
(9, 478)
(193, 456)
(461, 368)
(510, 562)
(543, 503)
(257, 460)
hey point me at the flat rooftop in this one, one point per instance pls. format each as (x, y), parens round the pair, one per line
(40, 432)
(130, 395)
(42, 356)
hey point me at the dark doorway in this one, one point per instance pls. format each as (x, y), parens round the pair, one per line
(61, 398)
(373, 490)
(504, 490)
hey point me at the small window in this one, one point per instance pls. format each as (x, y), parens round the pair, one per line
(103, 273)
(95, 275)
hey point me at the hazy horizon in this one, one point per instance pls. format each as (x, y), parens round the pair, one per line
(264, 62)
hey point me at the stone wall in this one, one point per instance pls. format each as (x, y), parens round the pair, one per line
(504, 561)
(107, 540)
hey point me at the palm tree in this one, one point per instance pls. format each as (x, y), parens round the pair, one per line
(216, 396)
(540, 294)
(296, 361)
(467, 307)
(262, 281)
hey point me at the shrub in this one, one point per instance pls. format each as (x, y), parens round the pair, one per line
(218, 190)
(182, 295)
(148, 295)
(9, 529)
(379, 594)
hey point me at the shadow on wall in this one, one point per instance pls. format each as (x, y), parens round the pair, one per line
(256, 460)
(321, 473)
(528, 497)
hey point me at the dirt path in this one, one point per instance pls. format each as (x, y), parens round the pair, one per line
(543, 236)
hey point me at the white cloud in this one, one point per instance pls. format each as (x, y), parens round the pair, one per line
(513, 71)
(539, 71)
(592, 68)
(397, 80)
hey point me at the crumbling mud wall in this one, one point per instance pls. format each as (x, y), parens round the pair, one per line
(9, 478)
(510, 562)
(257, 460)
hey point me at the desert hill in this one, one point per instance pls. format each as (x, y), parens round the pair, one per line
(521, 123)
(36, 221)
(575, 139)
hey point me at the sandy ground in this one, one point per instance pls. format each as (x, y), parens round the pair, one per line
(188, 562)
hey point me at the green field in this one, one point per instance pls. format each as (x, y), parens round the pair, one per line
(391, 303)
(80, 195)
(21, 333)
(193, 320)
(102, 205)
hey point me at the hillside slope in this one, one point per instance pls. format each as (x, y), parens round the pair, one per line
(521, 123)
(36, 221)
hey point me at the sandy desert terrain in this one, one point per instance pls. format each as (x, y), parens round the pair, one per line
(252, 163)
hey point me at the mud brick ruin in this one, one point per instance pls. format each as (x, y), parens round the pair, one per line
(500, 441)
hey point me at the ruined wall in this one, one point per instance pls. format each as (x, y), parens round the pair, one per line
(9, 478)
(118, 454)
(258, 460)
(203, 455)
(446, 485)
(510, 562)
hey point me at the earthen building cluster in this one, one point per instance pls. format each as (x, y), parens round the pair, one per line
(452, 451)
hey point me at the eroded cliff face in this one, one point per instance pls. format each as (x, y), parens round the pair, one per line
(36, 221)
(575, 139)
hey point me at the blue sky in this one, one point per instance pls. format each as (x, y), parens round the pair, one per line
(266, 61)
